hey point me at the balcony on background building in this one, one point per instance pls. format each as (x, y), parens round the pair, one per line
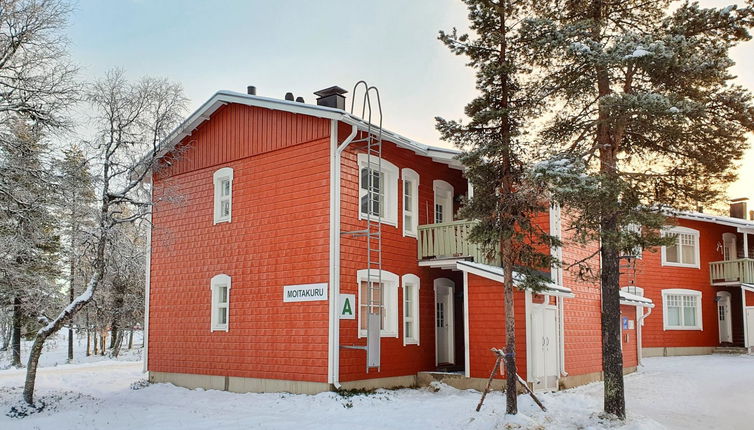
(442, 244)
(732, 272)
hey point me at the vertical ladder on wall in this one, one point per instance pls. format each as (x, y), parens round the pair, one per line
(371, 143)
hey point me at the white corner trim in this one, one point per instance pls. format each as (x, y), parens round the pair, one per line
(466, 343)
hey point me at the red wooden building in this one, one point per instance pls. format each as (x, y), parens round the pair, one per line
(263, 269)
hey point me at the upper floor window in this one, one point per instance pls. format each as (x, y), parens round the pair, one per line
(443, 201)
(378, 295)
(220, 287)
(378, 189)
(685, 251)
(635, 230)
(223, 180)
(411, 286)
(682, 309)
(410, 202)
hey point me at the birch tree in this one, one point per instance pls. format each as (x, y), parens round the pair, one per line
(493, 147)
(131, 120)
(643, 105)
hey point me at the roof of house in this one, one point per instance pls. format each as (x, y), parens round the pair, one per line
(627, 298)
(495, 273)
(741, 224)
(221, 98)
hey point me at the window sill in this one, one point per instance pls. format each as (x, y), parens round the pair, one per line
(225, 329)
(220, 221)
(388, 221)
(363, 334)
(408, 342)
(682, 329)
(688, 266)
(408, 234)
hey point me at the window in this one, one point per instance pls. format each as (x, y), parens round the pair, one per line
(220, 287)
(384, 295)
(411, 287)
(685, 251)
(410, 202)
(682, 309)
(378, 190)
(223, 180)
(443, 201)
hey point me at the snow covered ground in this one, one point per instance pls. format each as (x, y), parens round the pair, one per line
(676, 392)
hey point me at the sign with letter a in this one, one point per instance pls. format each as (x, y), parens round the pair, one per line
(347, 306)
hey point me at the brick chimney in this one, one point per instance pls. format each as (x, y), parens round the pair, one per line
(739, 208)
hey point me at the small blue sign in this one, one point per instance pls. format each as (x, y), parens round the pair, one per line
(625, 323)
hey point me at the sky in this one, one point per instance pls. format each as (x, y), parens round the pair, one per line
(302, 46)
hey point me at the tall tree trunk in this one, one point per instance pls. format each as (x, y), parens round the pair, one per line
(15, 344)
(131, 338)
(119, 288)
(511, 398)
(88, 334)
(71, 296)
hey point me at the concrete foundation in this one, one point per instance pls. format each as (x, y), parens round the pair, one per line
(237, 384)
(671, 351)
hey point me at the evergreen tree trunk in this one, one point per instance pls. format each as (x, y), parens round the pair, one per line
(15, 344)
(130, 339)
(511, 398)
(71, 296)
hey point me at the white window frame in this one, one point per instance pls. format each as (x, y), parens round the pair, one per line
(226, 173)
(681, 230)
(411, 182)
(446, 193)
(681, 292)
(390, 173)
(638, 250)
(390, 286)
(218, 281)
(411, 281)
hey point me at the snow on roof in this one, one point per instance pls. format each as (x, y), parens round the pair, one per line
(495, 273)
(716, 219)
(627, 298)
(221, 98)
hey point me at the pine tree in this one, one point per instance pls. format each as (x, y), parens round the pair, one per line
(28, 233)
(75, 205)
(644, 106)
(492, 143)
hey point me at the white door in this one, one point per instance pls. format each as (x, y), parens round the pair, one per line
(443, 201)
(444, 333)
(729, 246)
(544, 347)
(750, 325)
(723, 317)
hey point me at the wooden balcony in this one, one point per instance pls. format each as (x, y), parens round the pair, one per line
(449, 241)
(732, 272)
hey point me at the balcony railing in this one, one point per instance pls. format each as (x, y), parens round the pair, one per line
(449, 240)
(732, 271)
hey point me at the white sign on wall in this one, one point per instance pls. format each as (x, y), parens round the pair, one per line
(304, 293)
(347, 305)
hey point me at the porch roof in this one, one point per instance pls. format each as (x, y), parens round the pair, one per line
(634, 300)
(748, 287)
(495, 273)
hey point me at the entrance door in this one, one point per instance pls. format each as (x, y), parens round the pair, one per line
(544, 346)
(444, 333)
(729, 246)
(723, 317)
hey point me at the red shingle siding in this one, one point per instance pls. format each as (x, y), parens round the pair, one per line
(400, 257)
(487, 325)
(654, 277)
(278, 236)
(582, 313)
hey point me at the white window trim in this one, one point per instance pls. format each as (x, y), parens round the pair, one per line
(217, 282)
(684, 292)
(391, 188)
(411, 279)
(411, 177)
(390, 284)
(682, 230)
(217, 178)
(637, 251)
(440, 186)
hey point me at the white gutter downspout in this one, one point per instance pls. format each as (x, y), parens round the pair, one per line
(336, 150)
(639, 324)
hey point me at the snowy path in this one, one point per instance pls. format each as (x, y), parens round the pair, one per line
(678, 392)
